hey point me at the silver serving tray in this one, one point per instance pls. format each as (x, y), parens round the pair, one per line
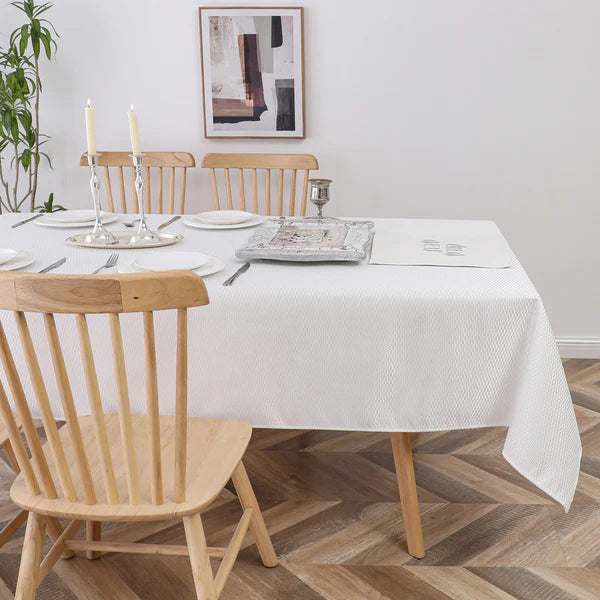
(309, 240)
(164, 239)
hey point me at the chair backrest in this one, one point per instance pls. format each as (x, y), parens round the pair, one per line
(79, 296)
(260, 162)
(153, 161)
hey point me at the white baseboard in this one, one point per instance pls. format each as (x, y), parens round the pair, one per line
(578, 347)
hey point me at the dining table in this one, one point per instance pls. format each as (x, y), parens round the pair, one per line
(346, 346)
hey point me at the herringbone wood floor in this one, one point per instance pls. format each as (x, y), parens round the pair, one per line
(331, 504)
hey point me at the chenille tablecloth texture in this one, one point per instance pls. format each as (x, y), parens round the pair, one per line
(353, 347)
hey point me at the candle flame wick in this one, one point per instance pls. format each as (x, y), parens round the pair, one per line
(89, 103)
(131, 108)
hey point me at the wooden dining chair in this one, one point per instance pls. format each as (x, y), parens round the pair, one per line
(279, 163)
(118, 467)
(154, 162)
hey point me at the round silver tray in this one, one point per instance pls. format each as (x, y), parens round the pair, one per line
(123, 237)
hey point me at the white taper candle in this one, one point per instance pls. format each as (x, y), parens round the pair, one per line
(90, 128)
(134, 132)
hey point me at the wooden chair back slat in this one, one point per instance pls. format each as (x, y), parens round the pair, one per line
(228, 189)
(174, 161)
(213, 177)
(91, 380)
(181, 374)
(148, 207)
(122, 186)
(156, 478)
(242, 190)
(254, 192)
(131, 467)
(41, 394)
(66, 396)
(293, 193)
(172, 190)
(268, 192)
(304, 193)
(160, 190)
(182, 191)
(111, 203)
(18, 447)
(266, 162)
(82, 295)
(38, 457)
(280, 194)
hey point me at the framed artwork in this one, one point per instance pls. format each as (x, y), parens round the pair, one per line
(252, 72)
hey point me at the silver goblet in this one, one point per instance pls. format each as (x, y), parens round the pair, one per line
(319, 194)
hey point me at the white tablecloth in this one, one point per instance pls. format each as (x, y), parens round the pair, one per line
(349, 346)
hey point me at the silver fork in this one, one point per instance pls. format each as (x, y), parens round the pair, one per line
(111, 262)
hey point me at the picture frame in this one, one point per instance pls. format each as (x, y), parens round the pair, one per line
(252, 71)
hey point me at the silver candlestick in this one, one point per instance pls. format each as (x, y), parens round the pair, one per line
(319, 194)
(99, 234)
(143, 233)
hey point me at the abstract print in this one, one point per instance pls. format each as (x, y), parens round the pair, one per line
(255, 72)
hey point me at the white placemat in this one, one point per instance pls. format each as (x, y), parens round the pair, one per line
(427, 247)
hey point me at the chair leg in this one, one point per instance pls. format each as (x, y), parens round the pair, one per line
(201, 570)
(245, 493)
(93, 533)
(405, 473)
(31, 557)
(11, 528)
(12, 459)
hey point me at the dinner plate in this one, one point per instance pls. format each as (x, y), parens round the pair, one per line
(214, 265)
(21, 260)
(6, 254)
(191, 221)
(73, 216)
(46, 222)
(170, 261)
(224, 217)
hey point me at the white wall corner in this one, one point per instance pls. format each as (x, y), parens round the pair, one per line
(578, 347)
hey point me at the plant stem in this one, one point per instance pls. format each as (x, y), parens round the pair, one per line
(16, 186)
(36, 156)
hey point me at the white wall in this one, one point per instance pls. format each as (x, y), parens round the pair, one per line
(416, 108)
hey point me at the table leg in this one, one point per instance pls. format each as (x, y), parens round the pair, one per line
(407, 485)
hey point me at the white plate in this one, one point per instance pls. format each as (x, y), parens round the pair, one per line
(193, 222)
(73, 216)
(6, 254)
(46, 222)
(21, 260)
(224, 217)
(170, 261)
(214, 265)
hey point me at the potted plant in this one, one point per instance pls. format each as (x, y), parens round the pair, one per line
(20, 89)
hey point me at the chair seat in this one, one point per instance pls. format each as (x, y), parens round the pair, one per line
(215, 447)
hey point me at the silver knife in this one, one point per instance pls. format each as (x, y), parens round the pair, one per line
(19, 223)
(241, 270)
(167, 223)
(54, 265)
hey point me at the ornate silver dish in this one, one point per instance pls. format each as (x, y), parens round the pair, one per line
(309, 240)
(123, 237)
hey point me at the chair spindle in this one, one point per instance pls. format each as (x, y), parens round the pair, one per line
(127, 438)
